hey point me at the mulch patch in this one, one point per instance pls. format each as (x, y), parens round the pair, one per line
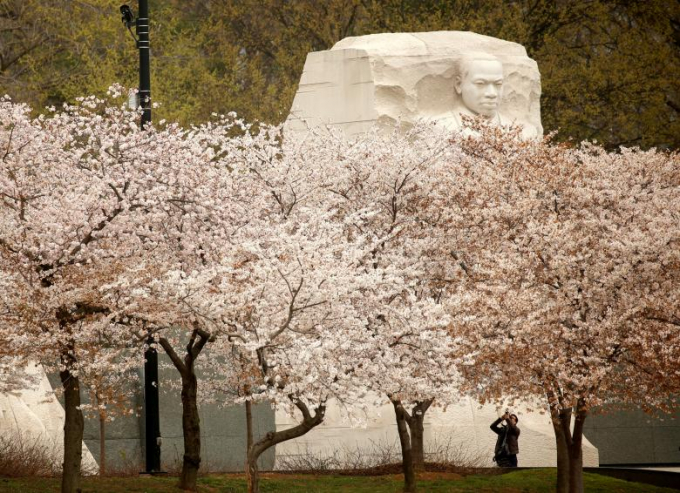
(431, 468)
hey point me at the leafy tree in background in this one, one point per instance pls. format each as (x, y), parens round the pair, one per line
(609, 68)
(54, 51)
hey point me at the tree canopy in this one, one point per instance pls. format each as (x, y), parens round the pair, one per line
(417, 264)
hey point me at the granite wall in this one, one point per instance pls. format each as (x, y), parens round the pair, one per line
(633, 437)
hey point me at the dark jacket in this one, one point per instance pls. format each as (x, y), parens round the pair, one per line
(513, 435)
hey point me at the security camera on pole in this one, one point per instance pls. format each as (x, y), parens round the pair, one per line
(151, 405)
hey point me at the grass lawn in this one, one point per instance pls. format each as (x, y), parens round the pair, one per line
(524, 481)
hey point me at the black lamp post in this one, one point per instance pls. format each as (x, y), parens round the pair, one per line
(142, 40)
(151, 404)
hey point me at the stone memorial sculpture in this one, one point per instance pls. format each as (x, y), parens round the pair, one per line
(34, 415)
(479, 86)
(384, 79)
(388, 78)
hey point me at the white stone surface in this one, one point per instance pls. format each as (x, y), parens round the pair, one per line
(462, 427)
(385, 78)
(35, 414)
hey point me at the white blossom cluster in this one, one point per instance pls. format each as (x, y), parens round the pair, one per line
(416, 265)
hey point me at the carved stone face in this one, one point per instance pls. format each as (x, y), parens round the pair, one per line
(481, 86)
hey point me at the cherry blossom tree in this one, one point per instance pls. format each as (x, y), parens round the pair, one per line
(572, 267)
(89, 201)
(279, 293)
(255, 264)
(383, 187)
(172, 293)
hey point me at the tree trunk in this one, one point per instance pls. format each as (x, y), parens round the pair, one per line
(73, 429)
(252, 476)
(576, 449)
(191, 424)
(406, 452)
(74, 424)
(416, 424)
(102, 444)
(252, 473)
(575, 470)
(249, 424)
(562, 447)
(417, 429)
(191, 427)
(560, 418)
(273, 438)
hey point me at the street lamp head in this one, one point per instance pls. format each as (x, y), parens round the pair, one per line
(128, 16)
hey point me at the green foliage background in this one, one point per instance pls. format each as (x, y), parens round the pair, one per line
(610, 69)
